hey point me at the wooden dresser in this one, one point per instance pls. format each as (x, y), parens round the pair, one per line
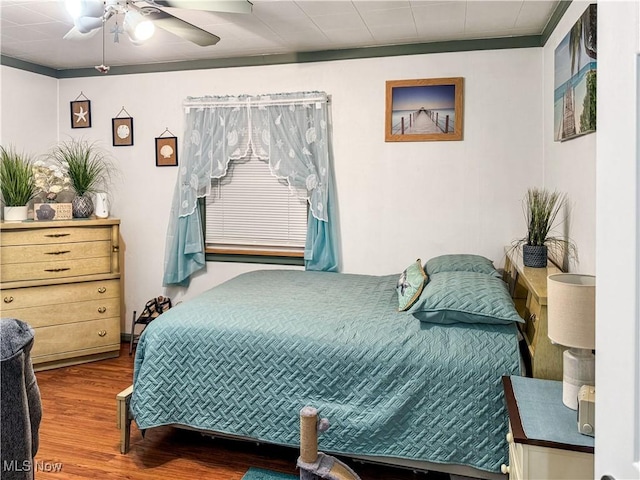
(63, 278)
(528, 288)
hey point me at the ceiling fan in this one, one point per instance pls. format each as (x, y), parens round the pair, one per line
(140, 17)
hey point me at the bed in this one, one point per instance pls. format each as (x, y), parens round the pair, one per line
(243, 358)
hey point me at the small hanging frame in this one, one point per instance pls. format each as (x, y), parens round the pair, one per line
(166, 149)
(122, 129)
(81, 112)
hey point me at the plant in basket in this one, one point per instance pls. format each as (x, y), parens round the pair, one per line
(89, 169)
(541, 208)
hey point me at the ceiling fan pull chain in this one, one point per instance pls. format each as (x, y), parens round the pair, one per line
(116, 30)
(103, 68)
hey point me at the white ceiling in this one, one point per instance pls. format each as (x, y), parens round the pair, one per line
(32, 30)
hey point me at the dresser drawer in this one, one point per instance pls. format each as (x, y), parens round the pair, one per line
(18, 298)
(73, 338)
(54, 252)
(66, 313)
(45, 236)
(532, 316)
(16, 272)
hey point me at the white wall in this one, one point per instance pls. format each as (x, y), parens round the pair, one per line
(396, 201)
(618, 240)
(602, 180)
(29, 113)
(570, 166)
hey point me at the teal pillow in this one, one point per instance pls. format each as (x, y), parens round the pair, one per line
(461, 262)
(465, 297)
(410, 285)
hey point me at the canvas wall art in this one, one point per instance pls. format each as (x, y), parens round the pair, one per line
(574, 95)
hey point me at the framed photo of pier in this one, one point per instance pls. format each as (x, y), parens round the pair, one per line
(424, 110)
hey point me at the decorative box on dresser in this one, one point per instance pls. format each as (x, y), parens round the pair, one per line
(528, 288)
(544, 442)
(62, 277)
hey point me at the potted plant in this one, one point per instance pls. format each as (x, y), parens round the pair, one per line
(17, 183)
(89, 170)
(541, 208)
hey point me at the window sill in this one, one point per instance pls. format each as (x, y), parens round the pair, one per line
(271, 258)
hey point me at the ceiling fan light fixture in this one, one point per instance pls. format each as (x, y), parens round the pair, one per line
(138, 27)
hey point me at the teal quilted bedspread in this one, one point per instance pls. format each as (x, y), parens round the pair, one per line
(244, 357)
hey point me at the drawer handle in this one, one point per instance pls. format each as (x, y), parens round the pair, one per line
(59, 252)
(115, 248)
(8, 299)
(56, 269)
(504, 469)
(102, 309)
(57, 235)
(533, 317)
(102, 289)
(102, 333)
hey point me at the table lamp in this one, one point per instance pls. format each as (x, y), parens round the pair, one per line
(571, 310)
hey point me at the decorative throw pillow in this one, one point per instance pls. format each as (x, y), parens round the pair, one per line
(461, 262)
(410, 285)
(465, 297)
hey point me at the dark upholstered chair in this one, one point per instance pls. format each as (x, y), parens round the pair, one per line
(20, 406)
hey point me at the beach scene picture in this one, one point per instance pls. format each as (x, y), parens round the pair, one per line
(423, 110)
(574, 96)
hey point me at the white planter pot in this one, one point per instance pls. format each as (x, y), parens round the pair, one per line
(15, 214)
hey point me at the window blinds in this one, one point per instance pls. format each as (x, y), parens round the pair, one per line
(250, 209)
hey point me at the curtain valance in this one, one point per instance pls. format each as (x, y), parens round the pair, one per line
(289, 130)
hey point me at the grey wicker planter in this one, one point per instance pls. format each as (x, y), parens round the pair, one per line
(534, 256)
(82, 206)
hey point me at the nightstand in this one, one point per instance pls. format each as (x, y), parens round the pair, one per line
(528, 288)
(543, 437)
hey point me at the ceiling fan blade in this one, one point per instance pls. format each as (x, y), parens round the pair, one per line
(75, 34)
(183, 29)
(222, 6)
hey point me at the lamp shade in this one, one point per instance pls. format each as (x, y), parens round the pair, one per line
(571, 309)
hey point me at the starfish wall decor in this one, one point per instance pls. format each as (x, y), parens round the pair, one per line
(81, 112)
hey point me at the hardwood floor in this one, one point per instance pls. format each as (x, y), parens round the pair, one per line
(79, 438)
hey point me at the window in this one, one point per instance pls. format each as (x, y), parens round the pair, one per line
(251, 212)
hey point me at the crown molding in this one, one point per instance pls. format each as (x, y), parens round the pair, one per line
(529, 41)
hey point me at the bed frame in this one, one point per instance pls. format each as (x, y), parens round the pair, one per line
(124, 418)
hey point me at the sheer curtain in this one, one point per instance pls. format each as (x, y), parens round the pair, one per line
(290, 131)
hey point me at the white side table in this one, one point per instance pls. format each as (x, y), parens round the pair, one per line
(544, 442)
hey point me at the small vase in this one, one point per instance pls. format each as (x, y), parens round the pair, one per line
(82, 206)
(102, 205)
(534, 256)
(16, 214)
